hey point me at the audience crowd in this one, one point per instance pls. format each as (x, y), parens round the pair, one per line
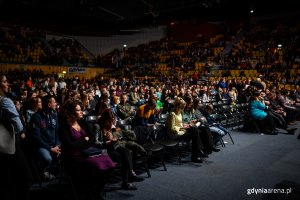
(53, 112)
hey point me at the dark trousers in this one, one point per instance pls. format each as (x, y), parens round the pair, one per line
(97, 183)
(206, 137)
(88, 180)
(15, 175)
(268, 122)
(278, 119)
(123, 156)
(291, 114)
(193, 134)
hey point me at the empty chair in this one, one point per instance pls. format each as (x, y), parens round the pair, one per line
(125, 124)
(238, 115)
(146, 137)
(218, 121)
(85, 113)
(228, 119)
(162, 137)
(91, 118)
(163, 118)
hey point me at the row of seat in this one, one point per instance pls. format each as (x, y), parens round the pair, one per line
(155, 140)
(146, 136)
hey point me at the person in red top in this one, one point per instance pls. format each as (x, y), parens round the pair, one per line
(29, 82)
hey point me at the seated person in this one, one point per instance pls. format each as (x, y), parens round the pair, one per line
(134, 97)
(124, 109)
(114, 102)
(44, 135)
(291, 110)
(35, 104)
(116, 137)
(257, 112)
(77, 136)
(190, 117)
(102, 104)
(179, 131)
(146, 113)
(118, 151)
(277, 112)
(217, 130)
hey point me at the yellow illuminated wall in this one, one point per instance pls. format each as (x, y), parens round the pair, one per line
(89, 73)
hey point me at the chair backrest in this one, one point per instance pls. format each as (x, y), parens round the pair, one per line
(124, 124)
(226, 109)
(163, 117)
(216, 106)
(244, 106)
(91, 118)
(85, 113)
(134, 108)
(216, 117)
(143, 134)
(159, 131)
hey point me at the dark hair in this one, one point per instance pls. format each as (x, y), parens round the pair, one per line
(284, 92)
(256, 93)
(188, 99)
(196, 102)
(1, 77)
(45, 100)
(209, 107)
(152, 102)
(33, 103)
(67, 112)
(106, 119)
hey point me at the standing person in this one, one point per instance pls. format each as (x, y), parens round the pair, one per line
(77, 136)
(46, 143)
(14, 170)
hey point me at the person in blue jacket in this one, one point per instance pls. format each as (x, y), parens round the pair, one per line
(44, 135)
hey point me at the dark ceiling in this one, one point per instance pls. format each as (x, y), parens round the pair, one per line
(106, 17)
